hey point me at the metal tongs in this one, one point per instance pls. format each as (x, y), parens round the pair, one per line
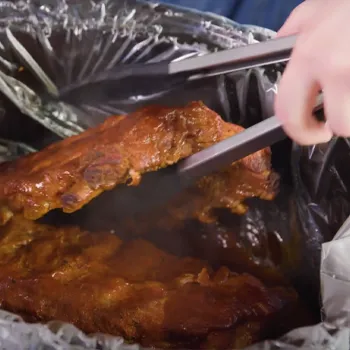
(253, 139)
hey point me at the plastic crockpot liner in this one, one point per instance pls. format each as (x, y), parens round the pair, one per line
(50, 52)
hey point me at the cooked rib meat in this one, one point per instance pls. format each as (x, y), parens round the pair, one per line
(229, 188)
(70, 173)
(133, 289)
(224, 190)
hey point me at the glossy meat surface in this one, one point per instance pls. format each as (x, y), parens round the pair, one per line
(70, 173)
(133, 289)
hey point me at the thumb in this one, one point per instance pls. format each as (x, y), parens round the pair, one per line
(299, 17)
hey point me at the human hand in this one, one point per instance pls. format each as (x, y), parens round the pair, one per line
(320, 60)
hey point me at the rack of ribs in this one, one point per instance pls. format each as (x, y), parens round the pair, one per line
(70, 173)
(133, 289)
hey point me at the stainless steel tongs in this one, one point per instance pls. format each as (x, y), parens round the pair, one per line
(253, 139)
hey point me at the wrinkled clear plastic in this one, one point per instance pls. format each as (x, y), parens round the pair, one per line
(49, 47)
(63, 45)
